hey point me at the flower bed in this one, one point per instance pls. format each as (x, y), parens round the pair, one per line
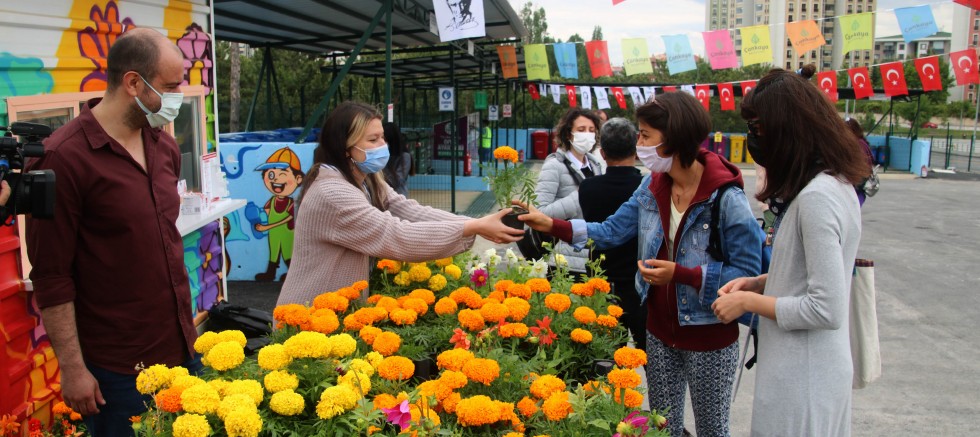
(464, 346)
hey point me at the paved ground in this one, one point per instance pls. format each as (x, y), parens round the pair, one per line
(924, 235)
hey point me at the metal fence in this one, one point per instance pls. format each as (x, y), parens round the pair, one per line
(958, 154)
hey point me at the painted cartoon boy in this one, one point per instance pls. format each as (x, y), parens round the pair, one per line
(282, 175)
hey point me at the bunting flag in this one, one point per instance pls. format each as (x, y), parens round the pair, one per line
(756, 48)
(972, 4)
(726, 96)
(601, 98)
(543, 89)
(636, 95)
(964, 64)
(916, 22)
(533, 90)
(827, 81)
(746, 86)
(928, 69)
(598, 52)
(805, 36)
(649, 93)
(720, 49)
(616, 2)
(508, 61)
(618, 95)
(572, 100)
(861, 82)
(857, 31)
(670, 89)
(893, 79)
(556, 93)
(536, 62)
(636, 57)
(567, 60)
(680, 57)
(702, 93)
(586, 93)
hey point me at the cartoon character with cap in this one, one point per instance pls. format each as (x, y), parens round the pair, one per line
(282, 175)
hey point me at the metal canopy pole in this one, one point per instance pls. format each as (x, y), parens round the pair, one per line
(255, 97)
(275, 82)
(388, 7)
(452, 131)
(343, 73)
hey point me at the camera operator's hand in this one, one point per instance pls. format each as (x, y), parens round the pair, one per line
(4, 193)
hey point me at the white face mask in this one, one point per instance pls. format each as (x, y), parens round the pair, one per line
(583, 142)
(656, 163)
(169, 107)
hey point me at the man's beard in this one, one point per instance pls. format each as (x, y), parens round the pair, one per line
(135, 117)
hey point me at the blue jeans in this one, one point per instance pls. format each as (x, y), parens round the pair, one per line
(122, 400)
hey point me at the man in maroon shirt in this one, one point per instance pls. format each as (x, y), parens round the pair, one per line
(108, 271)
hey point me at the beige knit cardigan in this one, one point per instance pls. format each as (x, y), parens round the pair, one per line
(338, 231)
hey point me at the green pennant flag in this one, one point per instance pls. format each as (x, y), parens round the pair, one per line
(536, 62)
(858, 31)
(636, 56)
(756, 48)
(480, 100)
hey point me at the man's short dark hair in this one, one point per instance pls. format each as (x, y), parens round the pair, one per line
(137, 52)
(618, 138)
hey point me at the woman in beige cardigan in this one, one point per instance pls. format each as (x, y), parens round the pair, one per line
(348, 214)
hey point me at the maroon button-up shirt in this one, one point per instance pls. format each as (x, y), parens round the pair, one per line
(113, 247)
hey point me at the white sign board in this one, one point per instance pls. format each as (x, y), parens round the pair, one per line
(446, 99)
(493, 113)
(507, 111)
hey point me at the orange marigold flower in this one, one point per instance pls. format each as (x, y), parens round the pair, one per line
(557, 302)
(506, 153)
(360, 285)
(517, 308)
(599, 284)
(426, 295)
(557, 407)
(522, 291)
(594, 387)
(324, 321)
(606, 321)
(494, 312)
(477, 411)
(374, 298)
(61, 409)
(389, 266)
(371, 315)
(449, 404)
(632, 397)
(368, 334)
(384, 401)
(388, 303)
(630, 358)
(466, 295)
(386, 343)
(453, 379)
(75, 416)
(350, 293)
(169, 400)
(546, 385)
(513, 330)
(416, 304)
(615, 311)
(502, 285)
(584, 315)
(403, 317)
(481, 370)
(471, 320)
(527, 407)
(454, 359)
(443, 262)
(582, 290)
(497, 296)
(333, 301)
(353, 323)
(539, 285)
(396, 368)
(293, 315)
(581, 336)
(446, 306)
(623, 378)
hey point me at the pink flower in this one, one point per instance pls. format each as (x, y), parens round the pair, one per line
(479, 278)
(635, 424)
(399, 415)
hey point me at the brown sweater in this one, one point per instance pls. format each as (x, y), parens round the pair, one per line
(338, 231)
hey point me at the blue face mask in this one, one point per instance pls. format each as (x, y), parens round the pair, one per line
(374, 159)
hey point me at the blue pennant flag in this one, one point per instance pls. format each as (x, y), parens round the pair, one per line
(916, 22)
(680, 57)
(567, 60)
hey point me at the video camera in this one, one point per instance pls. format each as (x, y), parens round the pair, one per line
(33, 191)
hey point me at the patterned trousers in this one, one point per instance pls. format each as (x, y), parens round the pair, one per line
(709, 374)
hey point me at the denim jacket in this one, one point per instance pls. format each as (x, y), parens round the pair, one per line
(640, 216)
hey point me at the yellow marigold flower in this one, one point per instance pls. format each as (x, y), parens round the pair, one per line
(419, 273)
(342, 345)
(514, 434)
(396, 368)
(243, 423)
(539, 285)
(336, 400)
(184, 382)
(368, 333)
(205, 342)
(279, 380)
(615, 311)
(582, 290)
(191, 425)
(293, 315)
(234, 403)
(360, 365)
(307, 344)
(519, 290)
(387, 343)
(502, 285)
(416, 304)
(557, 407)
(454, 359)
(274, 357)
(506, 153)
(200, 399)
(332, 301)
(481, 370)
(360, 285)
(633, 398)
(527, 406)
(581, 336)
(472, 320)
(178, 371)
(232, 335)
(153, 378)
(402, 279)
(453, 379)
(517, 308)
(630, 358)
(324, 321)
(600, 285)
(453, 271)
(389, 266)
(513, 330)
(249, 387)
(494, 312)
(623, 378)
(477, 411)
(557, 302)
(426, 295)
(546, 385)
(443, 262)
(584, 315)
(360, 382)
(349, 293)
(287, 403)
(446, 306)
(606, 321)
(226, 355)
(168, 400)
(437, 282)
(374, 358)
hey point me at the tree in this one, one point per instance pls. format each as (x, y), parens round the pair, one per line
(597, 33)
(536, 22)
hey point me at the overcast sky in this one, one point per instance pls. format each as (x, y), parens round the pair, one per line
(652, 18)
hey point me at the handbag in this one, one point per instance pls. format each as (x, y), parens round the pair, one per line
(871, 184)
(532, 245)
(865, 351)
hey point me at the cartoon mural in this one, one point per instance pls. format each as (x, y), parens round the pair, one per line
(282, 175)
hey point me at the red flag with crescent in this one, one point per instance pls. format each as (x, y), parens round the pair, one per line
(533, 90)
(726, 96)
(618, 94)
(746, 85)
(928, 69)
(670, 89)
(972, 4)
(893, 79)
(702, 92)
(861, 82)
(965, 66)
(827, 81)
(572, 98)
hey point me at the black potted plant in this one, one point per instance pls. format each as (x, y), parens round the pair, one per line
(509, 182)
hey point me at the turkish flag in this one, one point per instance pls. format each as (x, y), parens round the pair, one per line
(972, 4)
(670, 89)
(893, 78)
(860, 81)
(928, 69)
(726, 96)
(702, 92)
(965, 66)
(746, 85)
(828, 84)
(572, 99)
(533, 90)
(618, 94)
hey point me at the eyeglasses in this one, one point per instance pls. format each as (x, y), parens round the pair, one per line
(753, 126)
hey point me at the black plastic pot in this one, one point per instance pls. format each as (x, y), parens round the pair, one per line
(511, 219)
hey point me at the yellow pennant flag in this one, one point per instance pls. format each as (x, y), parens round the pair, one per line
(636, 56)
(756, 47)
(536, 62)
(805, 36)
(858, 31)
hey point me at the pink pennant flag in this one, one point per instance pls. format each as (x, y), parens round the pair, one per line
(720, 49)
(616, 2)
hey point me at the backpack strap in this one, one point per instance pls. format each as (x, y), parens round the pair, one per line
(568, 165)
(714, 239)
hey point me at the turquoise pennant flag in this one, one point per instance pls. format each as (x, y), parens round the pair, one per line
(567, 60)
(680, 57)
(916, 22)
